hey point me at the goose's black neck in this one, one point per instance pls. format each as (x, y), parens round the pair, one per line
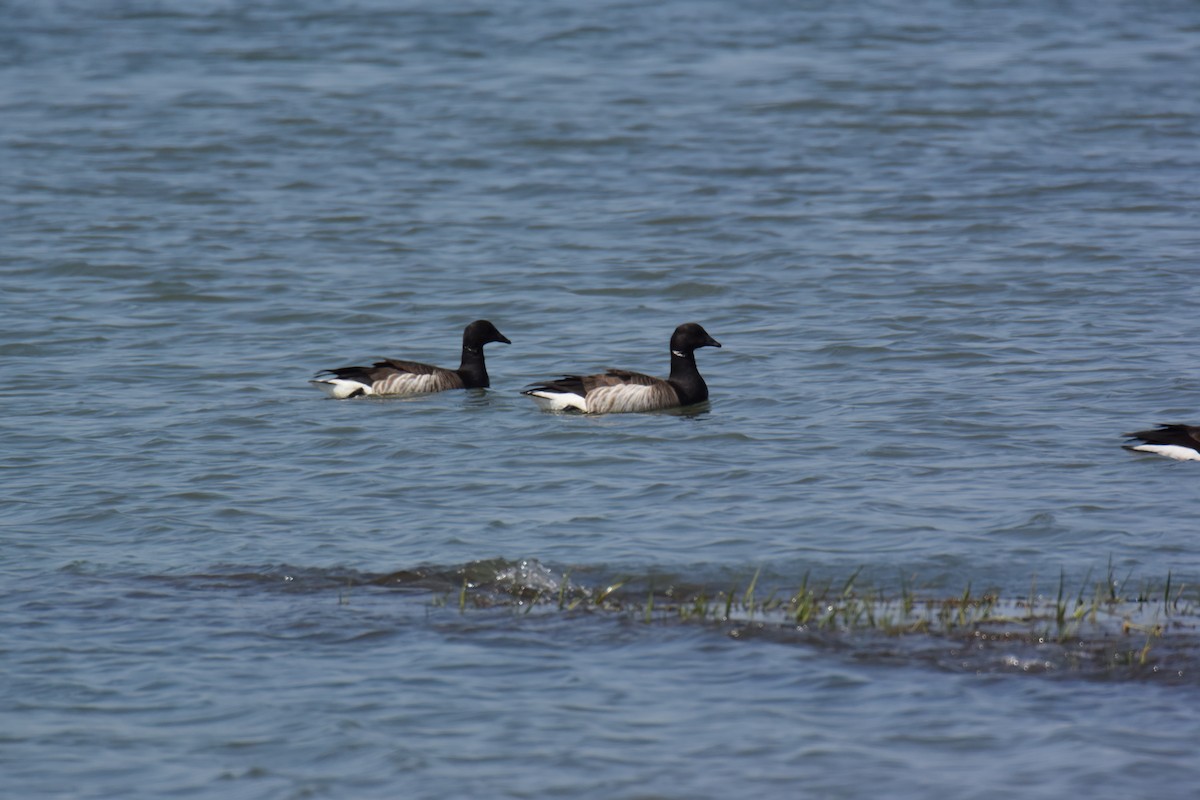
(685, 377)
(472, 370)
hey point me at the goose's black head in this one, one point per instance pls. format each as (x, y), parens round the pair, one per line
(479, 333)
(689, 337)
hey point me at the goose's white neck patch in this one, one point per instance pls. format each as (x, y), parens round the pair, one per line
(1174, 451)
(679, 353)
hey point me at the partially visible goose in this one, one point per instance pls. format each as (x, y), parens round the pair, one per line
(398, 378)
(622, 390)
(1181, 442)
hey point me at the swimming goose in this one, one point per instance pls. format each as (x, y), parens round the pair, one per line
(622, 390)
(399, 378)
(1181, 442)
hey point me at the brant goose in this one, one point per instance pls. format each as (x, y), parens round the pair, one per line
(622, 390)
(398, 378)
(1181, 442)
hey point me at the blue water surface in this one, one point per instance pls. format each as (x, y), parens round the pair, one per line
(950, 251)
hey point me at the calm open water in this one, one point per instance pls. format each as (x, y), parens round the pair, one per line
(950, 249)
